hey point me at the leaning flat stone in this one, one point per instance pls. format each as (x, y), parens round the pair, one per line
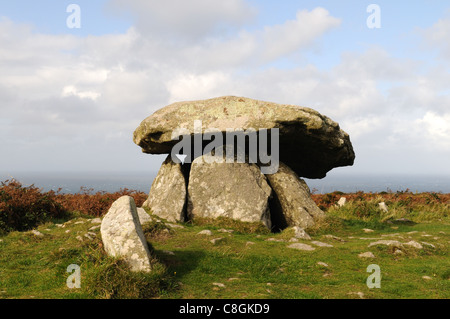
(123, 237)
(237, 191)
(301, 246)
(293, 198)
(310, 143)
(167, 197)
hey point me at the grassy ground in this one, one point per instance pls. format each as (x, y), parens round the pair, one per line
(248, 262)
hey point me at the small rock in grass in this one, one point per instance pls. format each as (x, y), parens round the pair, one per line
(321, 263)
(205, 232)
(37, 233)
(222, 230)
(216, 240)
(383, 206)
(96, 220)
(367, 230)
(334, 237)
(79, 238)
(90, 235)
(174, 226)
(341, 202)
(321, 244)
(387, 243)
(367, 254)
(414, 244)
(249, 243)
(427, 277)
(95, 227)
(359, 293)
(218, 284)
(428, 244)
(301, 246)
(300, 233)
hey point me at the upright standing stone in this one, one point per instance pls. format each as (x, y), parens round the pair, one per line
(123, 237)
(234, 190)
(167, 197)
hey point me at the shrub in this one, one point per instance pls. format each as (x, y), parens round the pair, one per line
(23, 208)
(96, 204)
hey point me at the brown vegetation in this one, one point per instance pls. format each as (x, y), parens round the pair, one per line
(405, 198)
(24, 207)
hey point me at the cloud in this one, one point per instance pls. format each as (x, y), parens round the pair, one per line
(436, 128)
(437, 37)
(281, 40)
(186, 20)
(74, 102)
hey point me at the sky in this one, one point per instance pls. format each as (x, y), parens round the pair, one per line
(71, 97)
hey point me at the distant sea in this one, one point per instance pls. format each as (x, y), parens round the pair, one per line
(111, 182)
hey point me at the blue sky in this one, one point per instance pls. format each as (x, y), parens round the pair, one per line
(71, 98)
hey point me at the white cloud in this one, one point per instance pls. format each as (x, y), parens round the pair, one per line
(280, 40)
(437, 36)
(436, 128)
(187, 87)
(186, 20)
(87, 94)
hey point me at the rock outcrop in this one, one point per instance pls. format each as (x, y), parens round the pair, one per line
(123, 237)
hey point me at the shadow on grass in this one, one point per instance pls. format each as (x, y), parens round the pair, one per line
(182, 262)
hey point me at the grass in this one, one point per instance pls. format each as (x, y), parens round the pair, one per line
(248, 262)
